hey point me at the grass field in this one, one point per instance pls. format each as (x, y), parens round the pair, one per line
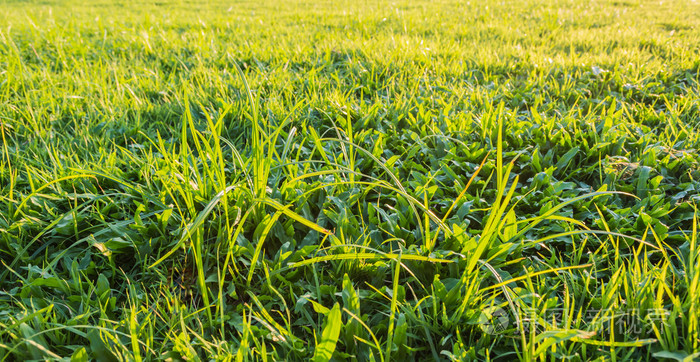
(371, 180)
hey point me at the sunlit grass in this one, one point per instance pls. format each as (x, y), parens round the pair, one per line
(375, 181)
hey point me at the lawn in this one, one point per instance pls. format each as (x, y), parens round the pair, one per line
(370, 180)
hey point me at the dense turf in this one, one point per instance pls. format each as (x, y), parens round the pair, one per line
(375, 180)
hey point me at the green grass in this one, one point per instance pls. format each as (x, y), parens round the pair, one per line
(359, 180)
